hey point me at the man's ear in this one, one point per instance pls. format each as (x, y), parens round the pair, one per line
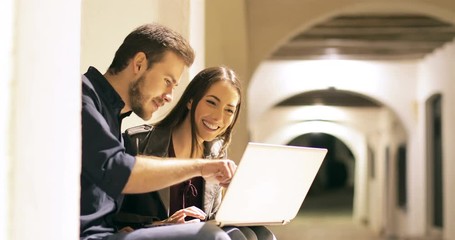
(139, 62)
(188, 105)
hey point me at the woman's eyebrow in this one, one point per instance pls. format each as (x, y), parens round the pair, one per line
(219, 100)
(213, 96)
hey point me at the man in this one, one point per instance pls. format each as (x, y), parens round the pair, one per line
(145, 70)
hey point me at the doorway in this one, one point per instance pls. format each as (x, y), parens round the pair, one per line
(434, 161)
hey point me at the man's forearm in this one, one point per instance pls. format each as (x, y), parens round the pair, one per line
(152, 174)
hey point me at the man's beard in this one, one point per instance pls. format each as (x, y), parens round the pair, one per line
(136, 98)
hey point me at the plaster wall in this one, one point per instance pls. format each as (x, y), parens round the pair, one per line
(6, 66)
(390, 83)
(226, 44)
(40, 147)
(436, 75)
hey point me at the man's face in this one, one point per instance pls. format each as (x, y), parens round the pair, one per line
(155, 86)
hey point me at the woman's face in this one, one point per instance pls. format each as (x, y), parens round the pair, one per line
(216, 110)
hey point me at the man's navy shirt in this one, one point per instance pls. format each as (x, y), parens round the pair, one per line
(106, 166)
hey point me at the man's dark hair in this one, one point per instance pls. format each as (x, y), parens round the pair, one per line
(154, 40)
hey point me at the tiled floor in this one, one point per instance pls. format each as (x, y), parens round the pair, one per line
(325, 216)
(323, 227)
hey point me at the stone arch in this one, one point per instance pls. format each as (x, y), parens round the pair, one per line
(298, 20)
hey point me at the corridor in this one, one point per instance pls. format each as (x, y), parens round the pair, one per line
(326, 216)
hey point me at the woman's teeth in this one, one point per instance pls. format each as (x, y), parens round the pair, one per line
(211, 126)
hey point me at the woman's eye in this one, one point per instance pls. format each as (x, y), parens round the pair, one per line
(211, 102)
(230, 111)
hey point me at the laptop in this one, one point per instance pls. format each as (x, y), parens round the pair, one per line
(269, 185)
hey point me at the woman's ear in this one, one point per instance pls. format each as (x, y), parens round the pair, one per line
(188, 105)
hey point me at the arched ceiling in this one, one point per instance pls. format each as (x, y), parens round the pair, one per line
(329, 97)
(369, 37)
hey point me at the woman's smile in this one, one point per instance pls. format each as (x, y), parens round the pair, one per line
(210, 126)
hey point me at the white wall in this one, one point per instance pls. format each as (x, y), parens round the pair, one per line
(391, 83)
(6, 57)
(41, 85)
(197, 35)
(226, 44)
(361, 119)
(437, 75)
(103, 30)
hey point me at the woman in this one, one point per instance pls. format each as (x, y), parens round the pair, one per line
(199, 126)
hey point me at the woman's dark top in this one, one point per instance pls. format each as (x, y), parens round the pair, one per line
(187, 193)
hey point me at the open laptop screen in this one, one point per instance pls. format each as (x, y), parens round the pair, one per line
(269, 185)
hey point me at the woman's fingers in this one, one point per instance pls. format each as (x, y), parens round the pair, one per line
(194, 212)
(196, 220)
(180, 215)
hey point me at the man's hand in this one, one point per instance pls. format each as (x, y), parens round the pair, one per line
(220, 171)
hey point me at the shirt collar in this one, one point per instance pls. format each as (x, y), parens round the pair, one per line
(106, 91)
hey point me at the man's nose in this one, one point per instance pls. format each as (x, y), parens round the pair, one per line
(168, 96)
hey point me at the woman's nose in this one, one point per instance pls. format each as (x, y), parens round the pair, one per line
(217, 114)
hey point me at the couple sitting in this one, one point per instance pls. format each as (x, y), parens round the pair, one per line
(171, 173)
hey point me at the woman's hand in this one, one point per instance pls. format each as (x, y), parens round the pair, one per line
(180, 215)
